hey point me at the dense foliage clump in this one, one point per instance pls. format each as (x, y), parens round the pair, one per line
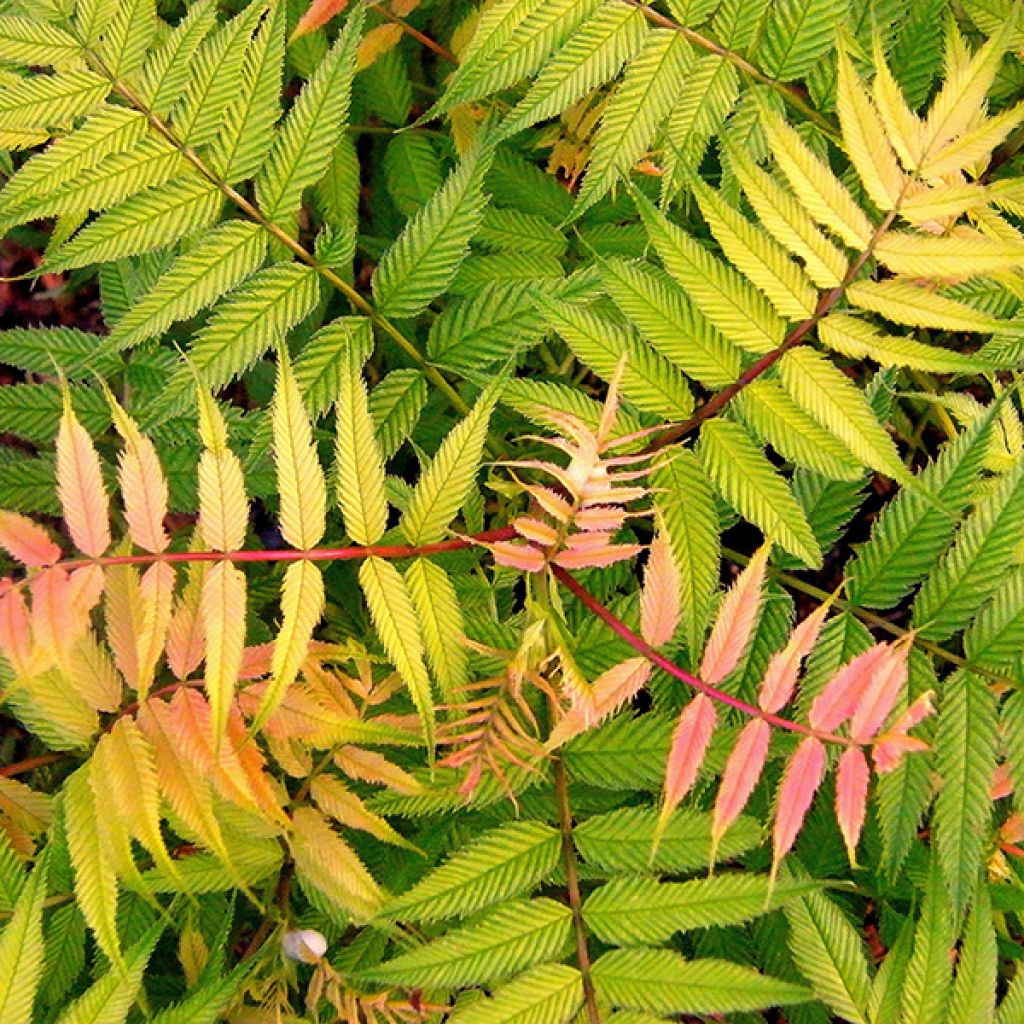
(510, 512)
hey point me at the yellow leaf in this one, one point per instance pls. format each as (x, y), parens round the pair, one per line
(222, 608)
(223, 508)
(124, 780)
(80, 486)
(302, 604)
(915, 306)
(788, 222)
(156, 594)
(95, 883)
(300, 480)
(327, 862)
(974, 146)
(954, 257)
(437, 605)
(902, 125)
(142, 482)
(865, 140)
(394, 615)
(122, 616)
(359, 462)
(376, 43)
(961, 100)
(821, 192)
(340, 803)
(924, 205)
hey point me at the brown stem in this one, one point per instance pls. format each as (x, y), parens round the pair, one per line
(641, 646)
(431, 44)
(30, 764)
(790, 93)
(572, 885)
(826, 303)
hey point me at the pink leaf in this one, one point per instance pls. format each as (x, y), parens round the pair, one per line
(518, 556)
(659, 601)
(802, 777)
(742, 771)
(26, 541)
(735, 621)
(887, 682)
(1001, 784)
(686, 754)
(780, 677)
(595, 559)
(851, 797)
(839, 699)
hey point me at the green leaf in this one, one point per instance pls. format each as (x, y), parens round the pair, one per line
(593, 55)
(644, 98)
(412, 171)
(728, 300)
(911, 532)
(110, 999)
(150, 220)
(446, 482)
(749, 482)
(499, 864)
(249, 320)
(662, 981)
(444, 636)
(548, 994)
(425, 256)
(926, 989)
(319, 364)
(216, 265)
(167, 68)
(686, 503)
(505, 940)
(624, 753)
(796, 35)
(21, 949)
(42, 100)
(28, 41)
(831, 955)
(248, 132)
(127, 38)
(667, 319)
(974, 991)
(965, 755)
(396, 404)
(970, 571)
(303, 147)
(650, 381)
(624, 840)
(634, 911)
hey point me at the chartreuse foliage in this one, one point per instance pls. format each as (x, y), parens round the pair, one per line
(332, 691)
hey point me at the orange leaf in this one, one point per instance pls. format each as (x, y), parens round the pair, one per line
(851, 797)
(80, 486)
(800, 781)
(686, 754)
(320, 12)
(186, 636)
(15, 628)
(58, 620)
(659, 600)
(26, 541)
(735, 622)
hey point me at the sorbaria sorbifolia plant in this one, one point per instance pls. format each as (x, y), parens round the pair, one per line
(532, 533)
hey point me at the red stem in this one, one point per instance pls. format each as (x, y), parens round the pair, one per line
(640, 645)
(20, 767)
(291, 555)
